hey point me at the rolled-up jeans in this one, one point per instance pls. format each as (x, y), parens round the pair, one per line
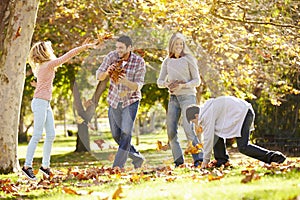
(43, 117)
(121, 122)
(243, 144)
(177, 106)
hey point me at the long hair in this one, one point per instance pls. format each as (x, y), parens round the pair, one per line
(185, 51)
(39, 53)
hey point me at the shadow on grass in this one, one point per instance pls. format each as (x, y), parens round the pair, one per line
(103, 158)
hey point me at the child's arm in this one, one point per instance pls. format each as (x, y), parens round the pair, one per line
(70, 54)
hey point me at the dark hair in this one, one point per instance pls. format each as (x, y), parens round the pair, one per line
(191, 111)
(125, 39)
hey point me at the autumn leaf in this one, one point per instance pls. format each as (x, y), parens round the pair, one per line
(250, 175)
(118, 193)
(68, 190)
(191, 149)
(160, 146)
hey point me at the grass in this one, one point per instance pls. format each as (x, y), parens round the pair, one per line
(157, 180)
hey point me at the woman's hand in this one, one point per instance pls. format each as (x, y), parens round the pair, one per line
(174, 86)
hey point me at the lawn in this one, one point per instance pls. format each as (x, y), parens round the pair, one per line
(90, 176)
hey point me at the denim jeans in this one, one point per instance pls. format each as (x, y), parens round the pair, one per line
(243, 145)
(43, 117)
(121, 122)
(177, 106)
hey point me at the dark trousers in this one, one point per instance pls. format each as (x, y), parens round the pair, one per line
(243, 145)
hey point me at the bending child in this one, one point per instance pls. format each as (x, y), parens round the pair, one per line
(223, 118)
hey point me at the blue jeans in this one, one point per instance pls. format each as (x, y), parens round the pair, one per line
(243, 145)
(177, 106)
(121, 122)
(43, 117)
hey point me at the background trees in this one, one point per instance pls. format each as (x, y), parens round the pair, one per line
(249, 49)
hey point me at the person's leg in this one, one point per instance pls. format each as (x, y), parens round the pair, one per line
(39, 109)
(173, 115)
(50, 135)
(129, 113)
(252, 150)
(115, 119)
(128, 116)
(185, 101)
(220, 153)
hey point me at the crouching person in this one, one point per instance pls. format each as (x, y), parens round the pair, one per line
(223, 118)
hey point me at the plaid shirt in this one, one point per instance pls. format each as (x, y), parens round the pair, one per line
(135, 72)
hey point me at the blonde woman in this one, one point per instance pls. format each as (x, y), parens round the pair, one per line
(44, 63)
(179, 73)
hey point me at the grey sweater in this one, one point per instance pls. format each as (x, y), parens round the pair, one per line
(181, 69)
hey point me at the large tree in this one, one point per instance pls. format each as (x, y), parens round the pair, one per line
(16, 28)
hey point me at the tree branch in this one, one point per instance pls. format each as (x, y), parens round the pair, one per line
(214, 13)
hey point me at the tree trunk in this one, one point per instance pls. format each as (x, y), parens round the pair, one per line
(86, 113)
(16, 29)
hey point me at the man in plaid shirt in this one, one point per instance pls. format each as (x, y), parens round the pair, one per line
(123, 98)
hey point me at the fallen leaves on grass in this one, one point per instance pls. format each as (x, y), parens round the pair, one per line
(73, 180)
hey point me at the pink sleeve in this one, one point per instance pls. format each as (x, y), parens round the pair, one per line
(66, 57)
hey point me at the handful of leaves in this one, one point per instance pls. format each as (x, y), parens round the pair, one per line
(174, 84)
(191, 149)
(117, 71)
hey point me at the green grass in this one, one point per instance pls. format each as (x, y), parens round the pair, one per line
(157, 180)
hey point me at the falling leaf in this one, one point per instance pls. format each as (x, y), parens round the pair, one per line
(160, 146)
(106, 36)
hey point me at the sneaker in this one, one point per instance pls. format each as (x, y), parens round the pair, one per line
(46, 172)
(197, 163)
(29, 173)
(278, 157)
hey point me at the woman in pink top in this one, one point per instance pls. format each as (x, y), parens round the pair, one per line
(44, 64)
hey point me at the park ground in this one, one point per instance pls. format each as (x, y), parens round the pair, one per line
(90, 176)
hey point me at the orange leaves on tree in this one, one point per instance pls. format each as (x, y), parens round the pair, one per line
(160, 146)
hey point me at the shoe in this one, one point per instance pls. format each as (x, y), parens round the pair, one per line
(45, 172)
(177, 164)
(278, 157)
(29, 173)
(138, 162)
(197, 163)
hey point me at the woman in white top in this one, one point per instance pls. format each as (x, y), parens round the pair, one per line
(228, 117)
(179, 73)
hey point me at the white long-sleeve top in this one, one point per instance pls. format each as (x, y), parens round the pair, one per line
(182, 69)
(224, 117)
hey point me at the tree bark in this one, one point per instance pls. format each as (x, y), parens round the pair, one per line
(86, 114)
(16, 29)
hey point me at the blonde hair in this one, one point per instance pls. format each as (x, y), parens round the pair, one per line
(176, 36)
(39, 53)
